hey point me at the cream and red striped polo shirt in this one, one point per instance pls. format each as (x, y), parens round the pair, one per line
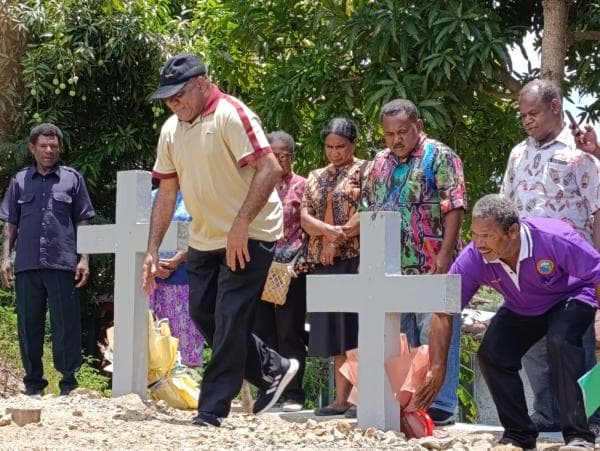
(210, 157)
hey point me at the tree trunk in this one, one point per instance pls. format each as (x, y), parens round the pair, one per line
(554, 41)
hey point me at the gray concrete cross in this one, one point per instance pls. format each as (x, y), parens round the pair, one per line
(128, 239)
(379, 293)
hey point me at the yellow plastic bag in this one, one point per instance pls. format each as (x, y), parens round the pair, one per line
(162, 348)
(178, 390)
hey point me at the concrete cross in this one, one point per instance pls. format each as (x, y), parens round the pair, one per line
(379, 293)
(128, 239)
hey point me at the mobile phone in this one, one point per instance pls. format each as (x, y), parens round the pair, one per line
(574, 125)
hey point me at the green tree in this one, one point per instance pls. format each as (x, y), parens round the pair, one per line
(89, 66)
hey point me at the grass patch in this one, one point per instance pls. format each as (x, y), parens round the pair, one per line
(88, 375)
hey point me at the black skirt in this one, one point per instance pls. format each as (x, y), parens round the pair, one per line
(333, 333)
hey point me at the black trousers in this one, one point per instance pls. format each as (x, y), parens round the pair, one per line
(508, 338)
(222, 306)
(281, 327)
(36, 289)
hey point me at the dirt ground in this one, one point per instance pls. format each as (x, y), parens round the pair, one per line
(84, 420)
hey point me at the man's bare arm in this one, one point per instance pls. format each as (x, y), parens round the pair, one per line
(440, 334)
(160, 218)
(452, 222)
(82, 270)
(162, 212)
(268, 173)
(9, 235)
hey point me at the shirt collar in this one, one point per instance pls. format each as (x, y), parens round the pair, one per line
(287, 178)
(526, 242)
(564, 137)
(33, 172)
(213, 99)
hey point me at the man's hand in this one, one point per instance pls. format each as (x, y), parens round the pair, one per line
(428, 392)
(149, 271)
(237, 245)
(587, 140)
(442, 263)
(7, 273)
(82, 272)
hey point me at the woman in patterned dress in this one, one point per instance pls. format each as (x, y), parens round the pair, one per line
(331, 198)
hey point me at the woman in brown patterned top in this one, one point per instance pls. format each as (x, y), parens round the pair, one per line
(331, 198)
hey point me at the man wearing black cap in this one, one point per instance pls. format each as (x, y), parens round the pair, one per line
(214, 149)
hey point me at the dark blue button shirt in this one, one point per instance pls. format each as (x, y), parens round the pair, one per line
(45, 210)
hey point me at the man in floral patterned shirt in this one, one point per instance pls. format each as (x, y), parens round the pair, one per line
(422, 179)
(547, 176)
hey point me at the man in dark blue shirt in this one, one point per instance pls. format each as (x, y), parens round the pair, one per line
(41, 210)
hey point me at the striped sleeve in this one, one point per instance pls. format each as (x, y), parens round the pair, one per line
(244, 134)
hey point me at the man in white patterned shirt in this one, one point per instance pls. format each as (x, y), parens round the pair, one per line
(547, 176)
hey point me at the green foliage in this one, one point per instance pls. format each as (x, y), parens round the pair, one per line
(89, 68)
(9, 342)
(88, 375)
(315, 380)
(302, 63)
(466, 401)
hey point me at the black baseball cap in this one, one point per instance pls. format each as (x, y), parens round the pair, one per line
(177, 70)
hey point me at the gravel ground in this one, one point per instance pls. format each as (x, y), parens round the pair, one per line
(84, 420)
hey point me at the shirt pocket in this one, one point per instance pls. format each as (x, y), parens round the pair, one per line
(555, 174)
(61, 205)
(26, 204)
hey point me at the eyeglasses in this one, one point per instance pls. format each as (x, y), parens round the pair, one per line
(283, 155)
(183, 91)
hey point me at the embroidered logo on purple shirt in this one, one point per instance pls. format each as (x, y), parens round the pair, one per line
(545, 267)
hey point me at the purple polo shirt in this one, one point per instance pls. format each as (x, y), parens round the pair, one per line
(555, 264)
(46, 208)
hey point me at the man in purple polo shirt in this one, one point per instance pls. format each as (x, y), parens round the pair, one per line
(42, 207)
(550, 279)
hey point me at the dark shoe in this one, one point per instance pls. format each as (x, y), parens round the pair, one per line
(328, 411)
(440, 417)
(595, 428)
(66, 391)
(33, 392)
(511, 443)
(351, 412)
(266, 398)
(207, 419)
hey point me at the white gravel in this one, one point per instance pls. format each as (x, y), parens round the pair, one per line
(84, 420)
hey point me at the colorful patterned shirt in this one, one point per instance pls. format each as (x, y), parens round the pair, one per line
(290, 190)
(345, 184)
(423, 188)
(554, 180)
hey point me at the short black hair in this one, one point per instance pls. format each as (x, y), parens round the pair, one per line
(546, 90)
(397, 106)
(340, 126)
(45, 129)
